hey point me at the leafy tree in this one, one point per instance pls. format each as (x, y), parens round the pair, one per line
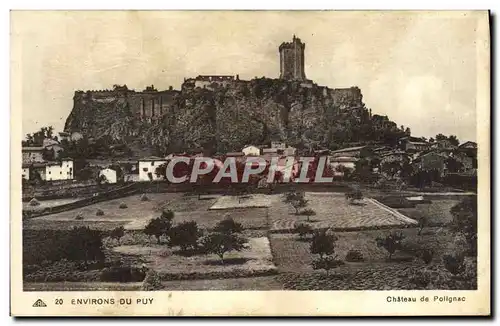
(391, 242)
(303, 230)
(228, 226)
(157, 227)
(219, 243)
(185, 235)
(465, 221)
(454, 263)
(354, 194)
(427, 255)
(83, 244)
(152, 281)
(323, 244)
(308, 212)
(453, 165)
(168, 215)
(422, 223)
(296, 199)
(117, 233)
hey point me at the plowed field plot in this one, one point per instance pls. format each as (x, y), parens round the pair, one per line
(437, 212)
(136, 209)
(334, 211)
(254, 260)
(293, 255)
(247, 201)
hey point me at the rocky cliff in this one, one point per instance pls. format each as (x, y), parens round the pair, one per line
(225, 118)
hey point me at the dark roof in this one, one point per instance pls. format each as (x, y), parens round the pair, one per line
(152, 158)
(349, 149)
(32, 149)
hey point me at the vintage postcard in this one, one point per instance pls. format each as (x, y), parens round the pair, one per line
(250, 163)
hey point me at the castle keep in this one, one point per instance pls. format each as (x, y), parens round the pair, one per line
(292, 60)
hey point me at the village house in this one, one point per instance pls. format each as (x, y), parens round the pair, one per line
(289, 151)
(442, 144)
(358, 152)
(251, 150)
(413, 144)
(340, 163)
(432, 161)
(270, 151)
(235, 154)
(32, 154)
(26, 171)
(52, 171)
(109, 175)
(148, 166)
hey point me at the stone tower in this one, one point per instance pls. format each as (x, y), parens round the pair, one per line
(292, 60)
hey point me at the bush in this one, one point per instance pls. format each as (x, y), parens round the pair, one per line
(326, 263)
(323, 244)
(421, 278)
(99, 212)
(391, 242)
(308, 212)
(117, 233)
(465, 222)
(157, 227)
(397, 202)
(354, 256)
(167, 215)
(122, 274)
(455, 263)
(79, 216)
(123, 206)
(228, 226)
(303, 230)
(185, 235)
(152, 281)
(34, 202)
(144, 197)
(427, 255)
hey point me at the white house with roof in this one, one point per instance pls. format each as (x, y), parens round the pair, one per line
(26, 171)
(108, 174)
(251, 150)
(52, 171)
(148, 166)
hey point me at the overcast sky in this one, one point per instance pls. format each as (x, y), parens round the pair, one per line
(420, 70)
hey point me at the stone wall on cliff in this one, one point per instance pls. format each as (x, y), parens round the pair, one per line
(224, 117)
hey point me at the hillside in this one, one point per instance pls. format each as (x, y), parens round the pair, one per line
(223, 119)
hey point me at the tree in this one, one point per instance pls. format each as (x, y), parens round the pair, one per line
(228, 226)
(159, 226)
(308, 212)
(185, 235)
(454, 263)
(303, 230)
(296, 199)
(422, 222)
(117, 233)
(353, 195)
(391, 242)
(219, 243)
(83, 244)
(323, 244)
(465, 222)
(453, 165)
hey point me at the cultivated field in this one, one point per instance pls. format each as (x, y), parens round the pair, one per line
(275, 257)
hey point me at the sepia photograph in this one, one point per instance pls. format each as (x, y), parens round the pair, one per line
(164, 151)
